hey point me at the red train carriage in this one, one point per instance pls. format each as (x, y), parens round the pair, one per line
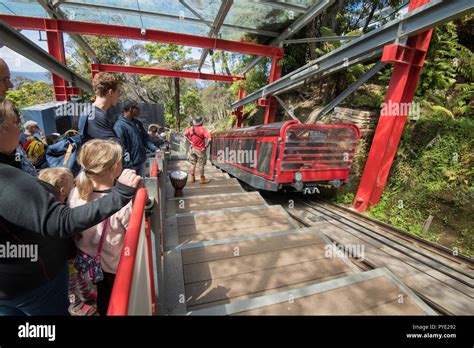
(287, 154)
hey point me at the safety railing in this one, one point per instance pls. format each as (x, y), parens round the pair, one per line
(138, 280)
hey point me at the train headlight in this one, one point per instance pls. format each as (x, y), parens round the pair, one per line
(298, 176)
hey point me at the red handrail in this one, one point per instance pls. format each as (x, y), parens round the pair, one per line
(154, 170)
(119, 299)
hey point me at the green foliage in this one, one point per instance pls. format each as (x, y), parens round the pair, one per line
(31, 93)
(433, 175)
(447, 78)
(161, 52)
(107, 49)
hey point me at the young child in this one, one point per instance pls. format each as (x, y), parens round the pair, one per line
(61, 179)
(101, 162)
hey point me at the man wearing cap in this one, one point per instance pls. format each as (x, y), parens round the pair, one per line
(198, 136)
(133, 137)
(32, 130)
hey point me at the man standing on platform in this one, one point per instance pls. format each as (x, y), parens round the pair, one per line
(199, 138)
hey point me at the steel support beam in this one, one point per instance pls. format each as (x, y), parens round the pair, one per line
(270, 102)
(433, 14)
(351, 89)
(56, 49)
(28, 49)
(88, 28)
(282, 5)
(407, 65)
(239, 113)
(163, 72)
(321, 39)
(216, 27)
(194, 12)
(135, 12)
(56, 13)
(287, 109)
(301, 22)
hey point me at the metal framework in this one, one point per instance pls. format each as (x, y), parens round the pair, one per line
(119, 31)
(411, 34)
(158, 15)
(301, 22)
(407, 63)
(22, 45)
(216, 26)
(282, 5)
(55, 28)
(414, 22)
(351, 89)
(56, 13)
(321, 39)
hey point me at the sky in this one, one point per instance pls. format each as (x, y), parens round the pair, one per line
(17, 62)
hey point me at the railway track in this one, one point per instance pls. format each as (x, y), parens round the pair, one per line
(414, 243)
(440, 276)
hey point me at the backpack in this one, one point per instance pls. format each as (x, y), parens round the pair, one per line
(34, 150)
(64, 152)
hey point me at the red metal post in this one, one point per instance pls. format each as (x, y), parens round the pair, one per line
(56, 49)
(162, 72)
(270, 102)
(408, 61)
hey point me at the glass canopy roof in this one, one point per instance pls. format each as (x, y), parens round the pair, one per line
(264, 19)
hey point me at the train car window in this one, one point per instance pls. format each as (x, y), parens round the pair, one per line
(248, 153)
(265, 158)
(319, 147)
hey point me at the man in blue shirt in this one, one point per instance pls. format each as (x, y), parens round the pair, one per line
(107, 93)
(133, 138)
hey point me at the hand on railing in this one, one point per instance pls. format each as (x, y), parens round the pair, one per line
(130, 178)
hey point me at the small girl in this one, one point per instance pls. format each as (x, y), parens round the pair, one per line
(101, 162)
(61, 183)
(62, 180)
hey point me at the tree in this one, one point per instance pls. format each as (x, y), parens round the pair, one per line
(31, 93)
(169, 56)
(108, 50)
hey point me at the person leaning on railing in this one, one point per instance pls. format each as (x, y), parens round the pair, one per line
(36, 283)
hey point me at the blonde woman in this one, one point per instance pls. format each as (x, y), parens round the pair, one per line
(101, 162)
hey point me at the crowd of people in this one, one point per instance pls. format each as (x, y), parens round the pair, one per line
(54, 213)
(76, 222)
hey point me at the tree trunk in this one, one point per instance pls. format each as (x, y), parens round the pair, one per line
(224, 63)
(371, 15)
(177, 102)
(213, 64)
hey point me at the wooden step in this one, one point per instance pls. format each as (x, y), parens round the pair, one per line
(216, 202)
(258, 266)
(373, 292)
